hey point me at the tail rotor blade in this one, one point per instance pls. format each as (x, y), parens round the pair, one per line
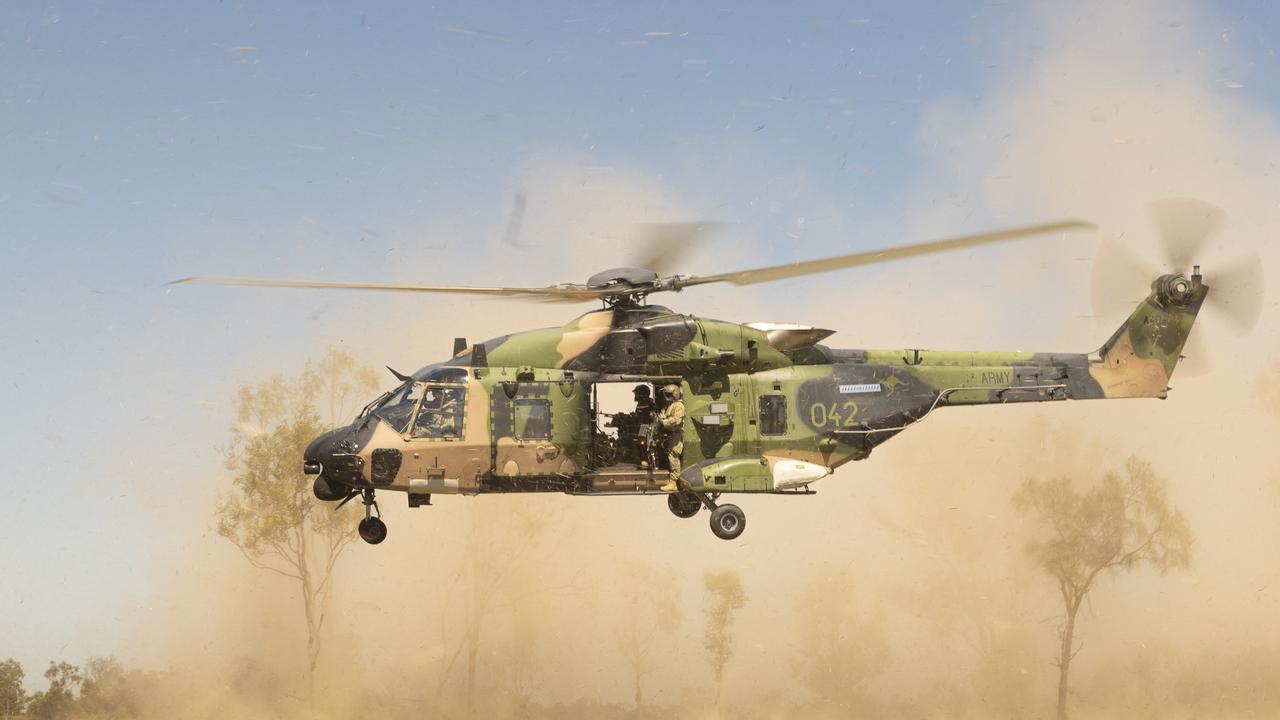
(1185, 225)
(1236, 293)
(1119, 281)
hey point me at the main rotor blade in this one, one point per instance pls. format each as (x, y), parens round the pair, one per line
(1185, 225)
(569, 293)
(810, 267)
(662, 245)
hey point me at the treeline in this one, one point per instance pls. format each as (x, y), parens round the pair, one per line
(100, 688)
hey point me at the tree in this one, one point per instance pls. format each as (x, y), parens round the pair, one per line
(13, 698)
(343, 384)
(978, 618)
(59, 700)
(727, 598)
(840, 649)
(106, 691)
(1121, 524)
(503, 537)
(651, 607)
(271, 515)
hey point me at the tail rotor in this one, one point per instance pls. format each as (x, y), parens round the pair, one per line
(1184, 228)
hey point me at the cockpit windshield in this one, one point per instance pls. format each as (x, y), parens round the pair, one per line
(398, 408)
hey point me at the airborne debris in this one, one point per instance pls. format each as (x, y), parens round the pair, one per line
(60, 200)
(470, 32)
(514, 221)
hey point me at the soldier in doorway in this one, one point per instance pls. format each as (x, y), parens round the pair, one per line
(671, 418)
(644, 404)
(632, 428)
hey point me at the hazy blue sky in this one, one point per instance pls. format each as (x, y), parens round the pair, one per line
(145, 141)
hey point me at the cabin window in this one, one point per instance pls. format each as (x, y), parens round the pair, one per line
(533, 419)
(441, 414)
(773, 414)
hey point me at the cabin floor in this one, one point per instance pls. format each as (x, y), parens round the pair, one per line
(627, 479)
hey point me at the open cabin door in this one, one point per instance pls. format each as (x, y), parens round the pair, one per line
(623, 428)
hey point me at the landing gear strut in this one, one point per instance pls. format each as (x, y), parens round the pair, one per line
(372, 529)
(727, 521)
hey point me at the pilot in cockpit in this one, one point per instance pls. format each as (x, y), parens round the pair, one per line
(441, 413)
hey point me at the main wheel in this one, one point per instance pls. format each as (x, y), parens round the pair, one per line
(684, 504)
(373, 530)
(728, 522)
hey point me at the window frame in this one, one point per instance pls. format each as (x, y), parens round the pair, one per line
(516, 404)
(461, 414)
(777, 414)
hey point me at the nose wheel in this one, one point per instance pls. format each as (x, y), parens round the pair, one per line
(372, 529)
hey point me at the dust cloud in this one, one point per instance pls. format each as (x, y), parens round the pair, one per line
(903, 589)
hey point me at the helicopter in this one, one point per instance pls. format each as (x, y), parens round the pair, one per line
(769, 409)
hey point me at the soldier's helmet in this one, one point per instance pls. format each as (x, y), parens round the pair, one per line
(641, 391)
(673, 391)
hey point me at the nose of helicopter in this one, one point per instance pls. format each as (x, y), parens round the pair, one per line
(332, 458)
(320, 449)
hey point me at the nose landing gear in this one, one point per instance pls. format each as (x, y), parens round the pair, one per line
(372, 529)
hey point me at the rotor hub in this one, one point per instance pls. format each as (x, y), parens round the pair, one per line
(1174, 288)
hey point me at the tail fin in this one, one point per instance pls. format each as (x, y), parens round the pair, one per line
(1138, 360)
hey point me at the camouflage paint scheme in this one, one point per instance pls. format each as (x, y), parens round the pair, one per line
(768, 409)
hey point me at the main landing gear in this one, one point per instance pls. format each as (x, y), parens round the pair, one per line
(372, 529)
(727, 521)
(684, 504)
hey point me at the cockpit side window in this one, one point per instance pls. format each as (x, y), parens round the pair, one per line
(442, 413)
(398, 408)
